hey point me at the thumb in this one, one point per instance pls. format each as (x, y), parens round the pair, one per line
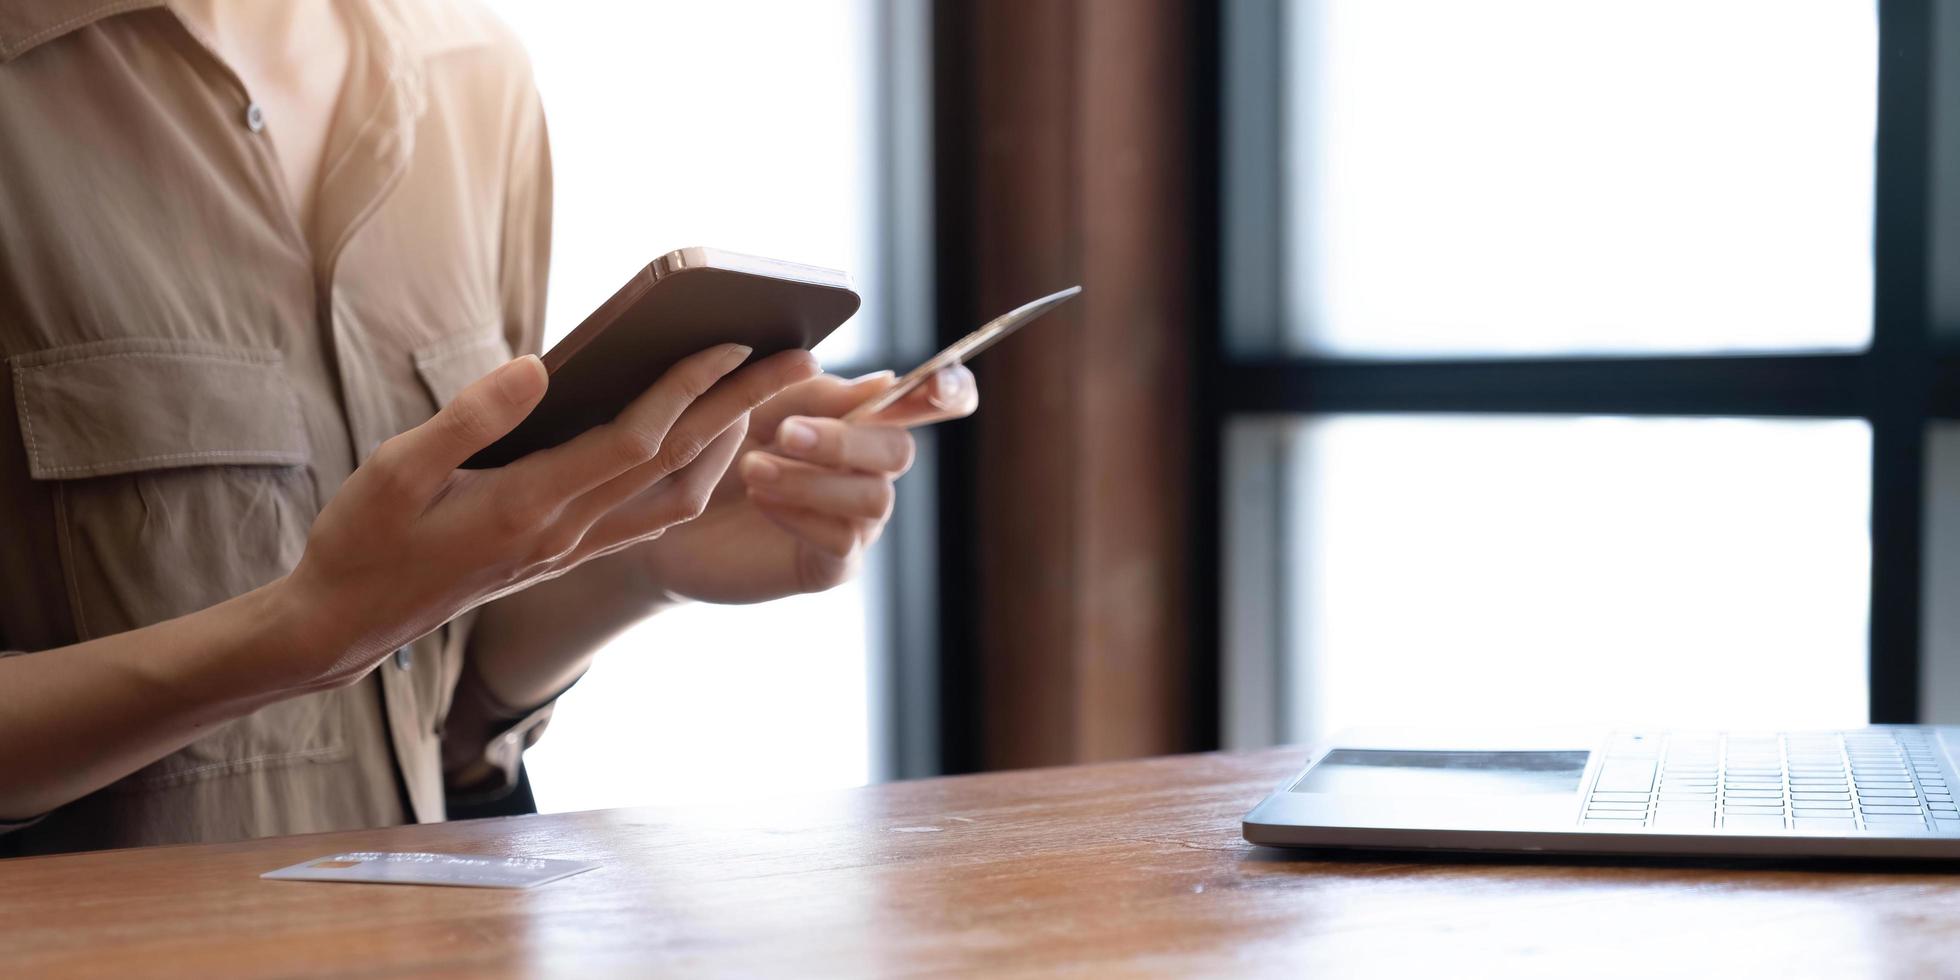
(479, 415)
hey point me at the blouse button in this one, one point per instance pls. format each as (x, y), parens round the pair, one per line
(405, 658)
(254, 118)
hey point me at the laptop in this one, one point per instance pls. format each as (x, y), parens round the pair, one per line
(1879, 792)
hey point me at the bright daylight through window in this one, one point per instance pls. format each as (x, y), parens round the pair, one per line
(674, 127)
(1577, 571)
(1699, 178)
(1676, 180)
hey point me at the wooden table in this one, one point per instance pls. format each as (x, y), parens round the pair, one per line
(1131, 868)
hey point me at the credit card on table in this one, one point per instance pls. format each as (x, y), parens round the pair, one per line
(462, 870)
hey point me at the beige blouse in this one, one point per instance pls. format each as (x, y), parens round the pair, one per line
(189, 377)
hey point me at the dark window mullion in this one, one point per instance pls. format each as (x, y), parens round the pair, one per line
(1901, 371)
(1802, 385)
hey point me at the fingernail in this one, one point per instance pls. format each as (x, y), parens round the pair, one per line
(945, 387)
(761, 470)
(519, 376)
(796, 434)
(737, 353)
(873, 376)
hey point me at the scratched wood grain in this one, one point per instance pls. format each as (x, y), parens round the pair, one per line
(1129, 868)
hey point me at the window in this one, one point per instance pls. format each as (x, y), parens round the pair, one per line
(1575, 363)
(1574, 570)
(760, 126)
(1613, 176)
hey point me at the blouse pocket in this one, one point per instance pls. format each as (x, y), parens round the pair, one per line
(178, 471)
(448, 366)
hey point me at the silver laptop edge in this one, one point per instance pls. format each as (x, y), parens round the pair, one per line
(1878, 792)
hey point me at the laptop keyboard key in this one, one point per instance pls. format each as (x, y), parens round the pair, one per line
(1893, 820)
(1734, 821)
(1615, 816)
(1704, 820)
(1625, 776)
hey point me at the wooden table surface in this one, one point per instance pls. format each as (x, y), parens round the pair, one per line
(1129, 868)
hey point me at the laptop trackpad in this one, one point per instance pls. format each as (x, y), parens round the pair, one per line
(1434, 773)
(1421, 788)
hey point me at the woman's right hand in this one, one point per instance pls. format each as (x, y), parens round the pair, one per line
(410, 541)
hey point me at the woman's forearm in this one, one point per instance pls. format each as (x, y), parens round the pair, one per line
(75, 719)
(531, 645)
(407, 543)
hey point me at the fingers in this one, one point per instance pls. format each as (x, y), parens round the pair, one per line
(866, 448)
(603, 452)
(789, 483)
(835, 537)
(825, 396)
(681, 497)
(949, 394)
(702, 425)
(422, 458)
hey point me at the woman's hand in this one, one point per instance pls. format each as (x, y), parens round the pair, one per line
(810, 494)
(411, 541)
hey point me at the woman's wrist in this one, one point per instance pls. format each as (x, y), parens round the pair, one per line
(627, 585)
(231, 657)
(530, 645)
(280, 640)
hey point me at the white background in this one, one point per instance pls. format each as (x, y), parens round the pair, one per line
(745, 125)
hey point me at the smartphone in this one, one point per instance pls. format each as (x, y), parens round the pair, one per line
(962, 350)
(685, 301)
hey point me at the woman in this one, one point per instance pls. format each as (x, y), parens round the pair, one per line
(262, 270)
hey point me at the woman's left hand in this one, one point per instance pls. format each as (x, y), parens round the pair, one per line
(808, 494)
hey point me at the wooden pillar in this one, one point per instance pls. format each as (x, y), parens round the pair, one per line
(1065, 157)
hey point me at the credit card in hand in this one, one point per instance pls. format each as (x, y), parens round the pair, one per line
(962, 350)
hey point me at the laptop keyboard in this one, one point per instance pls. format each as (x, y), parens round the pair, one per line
(1877, 780)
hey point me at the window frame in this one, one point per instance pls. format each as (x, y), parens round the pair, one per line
(1901, 384)
(905, 698)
